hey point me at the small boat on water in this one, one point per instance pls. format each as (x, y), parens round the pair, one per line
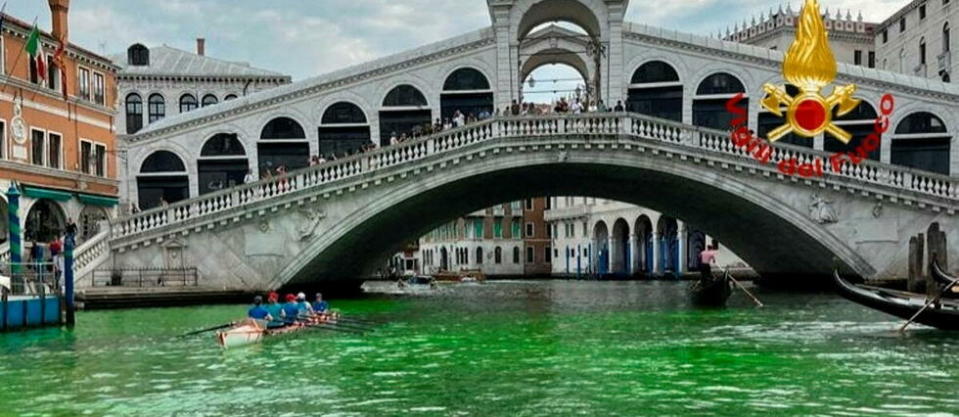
(711, 293)
(463, 275)
(251, 331)
(943, 315)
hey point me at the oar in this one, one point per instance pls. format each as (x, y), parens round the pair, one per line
(756, 300)
(222, 326)
(931, 302)
(309, 323)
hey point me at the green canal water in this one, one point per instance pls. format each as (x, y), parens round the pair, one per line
(500, 349)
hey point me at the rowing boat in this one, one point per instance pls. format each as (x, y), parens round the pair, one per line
(251, 331)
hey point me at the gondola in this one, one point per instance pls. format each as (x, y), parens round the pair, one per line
(712, 293)
(942, 277)
(901, 304)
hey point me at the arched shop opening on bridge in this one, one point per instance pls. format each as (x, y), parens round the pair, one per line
(222, 163)
(768, 121)
(860, 122)
(282, 144)
(468, 91)
(712, 94)
(405, 112)
(162, 178)
(922, 141)
(344, 129)
(554, 62)
(550, 83)
(656, 90)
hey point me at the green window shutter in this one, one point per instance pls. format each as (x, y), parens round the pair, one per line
(478, 228)
(498, 228)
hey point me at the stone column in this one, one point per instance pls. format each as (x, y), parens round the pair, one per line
(633, 254)
(681, 238)
(657, 267)
(506, 59)
(612, 74)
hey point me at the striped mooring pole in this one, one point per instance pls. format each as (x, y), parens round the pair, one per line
(13, 217)
(69, 243)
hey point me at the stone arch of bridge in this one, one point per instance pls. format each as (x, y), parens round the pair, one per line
(775, 238)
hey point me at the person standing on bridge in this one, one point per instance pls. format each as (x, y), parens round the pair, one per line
(707, 258)
(619, 107)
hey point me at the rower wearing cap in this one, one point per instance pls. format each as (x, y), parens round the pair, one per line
(275, 309)
(258, 312)
(320, 305)
(305, 309)
(291, 310)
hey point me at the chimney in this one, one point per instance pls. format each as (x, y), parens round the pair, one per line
(200, 46)
(58, 10)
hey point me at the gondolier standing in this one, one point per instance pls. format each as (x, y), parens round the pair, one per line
(706, 260)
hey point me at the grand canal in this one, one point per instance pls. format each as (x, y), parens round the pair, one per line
(507, 348)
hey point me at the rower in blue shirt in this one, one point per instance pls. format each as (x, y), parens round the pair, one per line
(291, 310)
(258, 312)
(306, 310)
(320, 306)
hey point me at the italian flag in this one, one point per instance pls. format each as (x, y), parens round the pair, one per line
(36, 52)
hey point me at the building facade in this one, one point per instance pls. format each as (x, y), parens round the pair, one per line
(852, 39)
(537, 237)
(490, 240)
(917, 40)
(57, 139)
(160, 82)
(597, 237)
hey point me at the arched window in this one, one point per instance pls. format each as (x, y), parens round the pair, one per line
(209, 100)
(498, 255)
(343, 130)
(156, 106)
(134, 107)
(860, 123)
(709, 105)
(162, 179)
(515, 254)
(468, 91)
(403, 113)
(187, 103)
(466, 79)
(404, 95)
(479, 256)
(922, 141)
(656, 90)
(222, 163)
(283, 143)
(162, 161)
(282, 128)
(229, 97)
(138, 55)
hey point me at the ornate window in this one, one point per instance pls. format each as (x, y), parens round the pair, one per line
(709, 105)
(134, 110)
(404, 95)
(655, 90)
(138, 55)
(156, 106)
(466, 79)
(187, 103)
(209, 100)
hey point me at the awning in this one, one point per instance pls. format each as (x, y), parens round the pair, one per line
(38, 193)
(98, 200)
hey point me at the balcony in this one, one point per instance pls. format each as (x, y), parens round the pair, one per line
(944, 62)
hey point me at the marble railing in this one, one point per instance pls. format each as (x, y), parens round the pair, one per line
(616, 125)
(91, 254)
(5, 252)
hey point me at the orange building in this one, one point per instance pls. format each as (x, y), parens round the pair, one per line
(61, 151)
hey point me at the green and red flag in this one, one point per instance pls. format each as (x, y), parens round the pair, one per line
(35, 50)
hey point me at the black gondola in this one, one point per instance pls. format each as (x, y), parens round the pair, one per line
(711, 293)
(944, 316)
(941, 276)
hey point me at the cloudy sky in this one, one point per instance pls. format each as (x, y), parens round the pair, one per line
(304, 38)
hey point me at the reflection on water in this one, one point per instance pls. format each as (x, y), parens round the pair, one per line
(504, 348)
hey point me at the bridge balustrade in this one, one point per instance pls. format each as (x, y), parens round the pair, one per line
(620, 126)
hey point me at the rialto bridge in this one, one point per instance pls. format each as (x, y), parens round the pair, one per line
(671, 152)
